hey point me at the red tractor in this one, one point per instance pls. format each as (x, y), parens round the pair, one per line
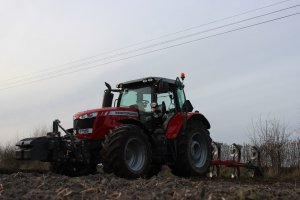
(149, 125)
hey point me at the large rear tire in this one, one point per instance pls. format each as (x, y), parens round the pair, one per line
(194, 151)
(127, 153)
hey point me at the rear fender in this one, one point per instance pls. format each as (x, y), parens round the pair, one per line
(176, 123)
(201, 118)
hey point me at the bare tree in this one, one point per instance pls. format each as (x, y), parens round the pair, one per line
(40, 131)
(271, 136)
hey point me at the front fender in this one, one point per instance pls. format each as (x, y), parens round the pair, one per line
(134, 122)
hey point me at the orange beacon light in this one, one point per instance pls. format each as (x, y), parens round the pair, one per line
(182, 76)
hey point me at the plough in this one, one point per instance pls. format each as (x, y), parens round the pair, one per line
(252, 164)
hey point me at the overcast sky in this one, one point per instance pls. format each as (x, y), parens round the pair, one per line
(232, 78)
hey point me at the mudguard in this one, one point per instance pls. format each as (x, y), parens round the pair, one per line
(176, 123)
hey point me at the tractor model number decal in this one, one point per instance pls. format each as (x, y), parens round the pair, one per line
(85, 131)
(123, 113)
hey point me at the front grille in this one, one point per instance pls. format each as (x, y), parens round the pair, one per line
(86, 123)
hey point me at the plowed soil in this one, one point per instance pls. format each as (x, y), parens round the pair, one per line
(22, 185)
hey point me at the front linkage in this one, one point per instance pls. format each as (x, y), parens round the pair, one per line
(66, 154)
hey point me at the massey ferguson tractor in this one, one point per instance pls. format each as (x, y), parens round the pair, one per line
(148, 125)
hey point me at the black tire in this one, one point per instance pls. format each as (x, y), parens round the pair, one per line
(194, 151)
(127, 153)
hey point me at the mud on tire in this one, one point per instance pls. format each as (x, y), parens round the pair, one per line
(127, 153)
(194, 151)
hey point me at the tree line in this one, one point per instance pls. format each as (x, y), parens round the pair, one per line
(279, 148)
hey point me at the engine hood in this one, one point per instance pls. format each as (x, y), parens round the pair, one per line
(114, 111)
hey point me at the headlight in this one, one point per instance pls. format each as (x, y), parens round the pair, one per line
(89, 115)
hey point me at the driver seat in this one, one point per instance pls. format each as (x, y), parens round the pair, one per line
(166, 117)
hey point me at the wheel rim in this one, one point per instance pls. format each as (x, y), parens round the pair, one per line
(198, 150)
(135, 154)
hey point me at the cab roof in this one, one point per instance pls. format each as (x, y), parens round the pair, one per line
(146, 80)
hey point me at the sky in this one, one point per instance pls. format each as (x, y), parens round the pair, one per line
(232, 78)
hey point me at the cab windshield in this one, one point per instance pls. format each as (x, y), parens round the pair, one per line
(139, 98)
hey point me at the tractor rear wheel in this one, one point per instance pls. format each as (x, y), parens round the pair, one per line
(127, 152)
(194, 151)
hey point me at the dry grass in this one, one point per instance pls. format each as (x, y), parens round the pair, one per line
(7, 154)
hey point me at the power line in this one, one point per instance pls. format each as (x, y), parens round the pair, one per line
(152, 51)
(143, 48)
(146, 41)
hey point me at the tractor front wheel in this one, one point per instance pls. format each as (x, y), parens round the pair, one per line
(127, 152)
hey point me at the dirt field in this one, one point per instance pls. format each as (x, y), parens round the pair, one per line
(107, 186)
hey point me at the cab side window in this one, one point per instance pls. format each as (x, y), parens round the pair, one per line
(168, 98)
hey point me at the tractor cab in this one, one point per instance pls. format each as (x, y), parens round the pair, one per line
(155, 99)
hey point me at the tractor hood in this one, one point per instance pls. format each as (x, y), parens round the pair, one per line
(94, 124)
(113, 111)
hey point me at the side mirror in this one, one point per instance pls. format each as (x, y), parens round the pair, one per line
(187, 106)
